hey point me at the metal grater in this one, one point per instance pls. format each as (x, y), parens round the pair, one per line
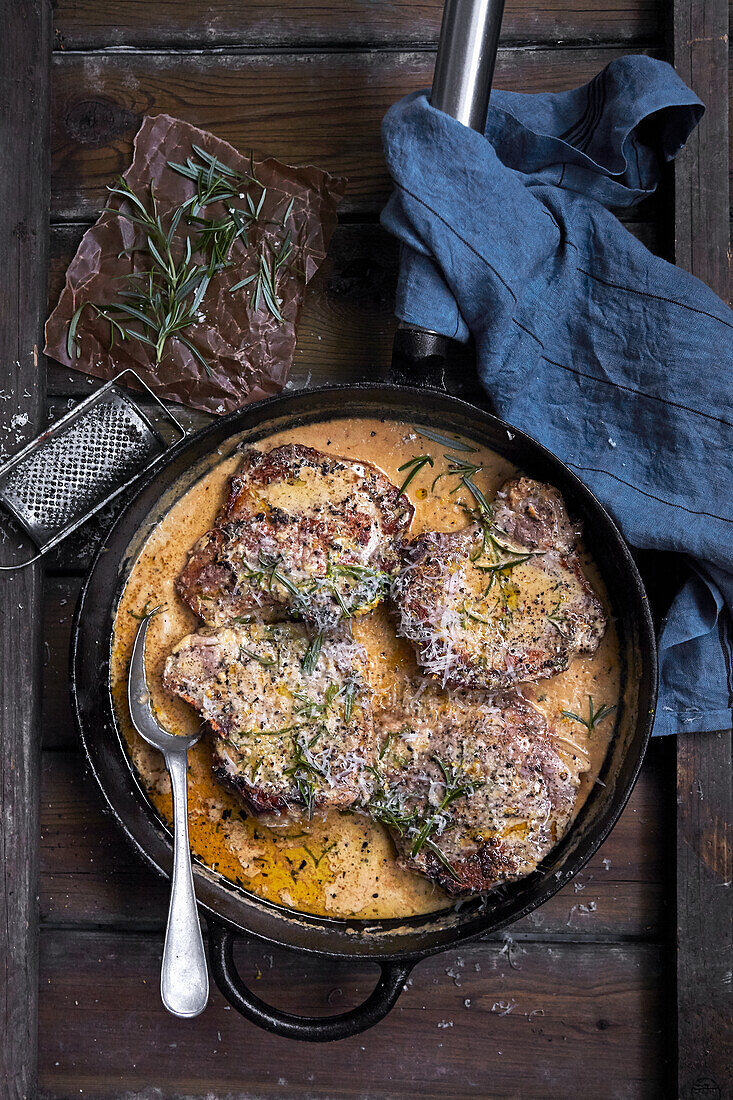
(82, 462)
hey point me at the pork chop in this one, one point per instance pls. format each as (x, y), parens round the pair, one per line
(302, 534)
(503, 600)
(473, 790)
(292, 723)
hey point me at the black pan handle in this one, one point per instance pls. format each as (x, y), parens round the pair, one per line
(311, 1029)
(464, 69)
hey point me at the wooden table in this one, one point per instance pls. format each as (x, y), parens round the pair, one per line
(616, 987)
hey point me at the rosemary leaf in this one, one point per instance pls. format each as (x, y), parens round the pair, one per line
(432, 847)
(414, 465)
(72, 347)
(312, 653)
(444, 440)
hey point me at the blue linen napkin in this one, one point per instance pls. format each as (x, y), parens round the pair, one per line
(617, 361)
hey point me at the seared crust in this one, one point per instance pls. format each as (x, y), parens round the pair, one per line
(474, 793)
(302, 534)
(285, 739)
(534, 515)
(501, 602)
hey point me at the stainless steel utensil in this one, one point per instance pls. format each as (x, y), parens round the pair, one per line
(184, 978)
(79, 464)
(464, 70)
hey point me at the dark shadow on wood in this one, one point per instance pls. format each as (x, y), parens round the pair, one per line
(25, 48)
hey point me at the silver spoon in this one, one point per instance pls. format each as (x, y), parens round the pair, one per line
(184, 979)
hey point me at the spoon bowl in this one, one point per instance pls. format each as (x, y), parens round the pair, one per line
(140, 701)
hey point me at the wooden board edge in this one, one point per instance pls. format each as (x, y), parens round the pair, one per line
(25, 55)
(704, 794)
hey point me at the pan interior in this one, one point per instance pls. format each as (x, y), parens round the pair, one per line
(234, 904)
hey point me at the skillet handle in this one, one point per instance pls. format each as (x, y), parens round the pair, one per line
(464, 70)
(312, 1029)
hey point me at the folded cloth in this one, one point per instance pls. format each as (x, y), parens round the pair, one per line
(617, 361)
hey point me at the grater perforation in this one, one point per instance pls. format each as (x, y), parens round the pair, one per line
(80, 463)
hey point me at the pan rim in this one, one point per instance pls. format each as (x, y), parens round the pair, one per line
(400, 395)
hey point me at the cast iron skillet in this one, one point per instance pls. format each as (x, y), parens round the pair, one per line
(396, 945)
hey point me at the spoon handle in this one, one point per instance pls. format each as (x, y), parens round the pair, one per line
(184, 979)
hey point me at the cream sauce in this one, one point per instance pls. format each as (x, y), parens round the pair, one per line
(340, 864)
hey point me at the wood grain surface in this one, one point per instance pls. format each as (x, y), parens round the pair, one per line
(321, 108)
(500, 1020)
(704, 762)
(92, 24)
(24, 196)
(702, 204)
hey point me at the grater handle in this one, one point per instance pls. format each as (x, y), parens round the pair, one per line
(20, 564)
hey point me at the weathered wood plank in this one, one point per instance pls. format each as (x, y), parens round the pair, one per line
(346, 328)
(704, 932)
(91, 877)
(704, 794)
(59, 600)
(481, 1027)
(324, 108)
(24, 196)
(94, 24)
(702, 207)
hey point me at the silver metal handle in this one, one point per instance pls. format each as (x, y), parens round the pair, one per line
(464, 68)
(184, 978)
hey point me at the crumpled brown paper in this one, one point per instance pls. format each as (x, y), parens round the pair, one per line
(248, 352)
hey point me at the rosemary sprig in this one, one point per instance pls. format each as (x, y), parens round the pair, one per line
(303, 771)
(385, 806)
(389, 739)
(268, 574)
(476, 618)
(370, 585)
(442, 858)
(456, 785)
(159, 303)
(73, 346)
(476, 493)
(308, 708)
(317, 860)
(216, 237)
(414, 465)
(215, 181)
(594, 716)
(349, 692)
(147, 610)
(265, 278)
(465, 471)
(282, 732)
(165, 299)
